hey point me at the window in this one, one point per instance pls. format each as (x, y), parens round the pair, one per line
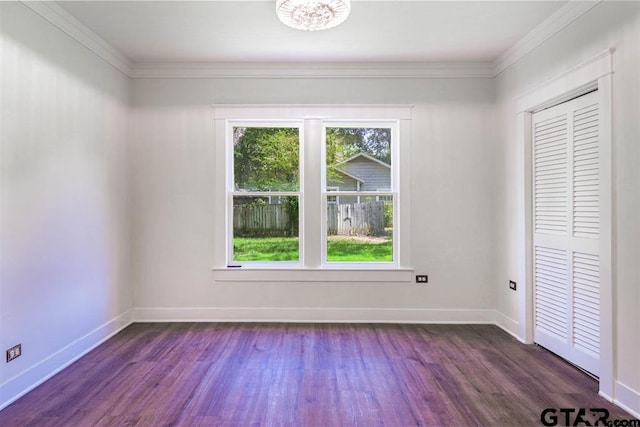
(265, 194)
(311, 193)
(359, 226)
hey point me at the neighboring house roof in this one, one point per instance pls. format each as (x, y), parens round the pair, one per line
(366, 156)
(347, 174)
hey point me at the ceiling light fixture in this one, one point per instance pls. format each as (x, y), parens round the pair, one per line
(312, 15)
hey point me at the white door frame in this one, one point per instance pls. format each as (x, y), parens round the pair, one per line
(596, 73)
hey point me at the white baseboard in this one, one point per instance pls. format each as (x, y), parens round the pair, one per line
(508, 325)
(306, 315)
(29, 379)
(628, 399)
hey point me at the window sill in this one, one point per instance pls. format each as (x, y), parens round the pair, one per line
(248, 274)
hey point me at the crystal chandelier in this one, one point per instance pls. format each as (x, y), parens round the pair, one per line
(312, 15)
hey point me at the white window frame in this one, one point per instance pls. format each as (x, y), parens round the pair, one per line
(310, 267)
(232, 191)
(393, 125)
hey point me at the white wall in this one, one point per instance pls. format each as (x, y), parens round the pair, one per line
(609, 25)
(64, 242)
(172, 184)
(68, 262)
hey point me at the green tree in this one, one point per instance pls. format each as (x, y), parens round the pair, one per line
(266, 158)
(343, 143)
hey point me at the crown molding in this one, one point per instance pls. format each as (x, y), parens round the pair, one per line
(57, 16)
(313, 70)
(564, 16)
(555, 23)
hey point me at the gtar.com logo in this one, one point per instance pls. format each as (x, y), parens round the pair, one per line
(582, 417)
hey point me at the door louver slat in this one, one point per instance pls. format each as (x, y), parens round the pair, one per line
(586, 302)
(586, 179)
(551, 297)
(550, 164)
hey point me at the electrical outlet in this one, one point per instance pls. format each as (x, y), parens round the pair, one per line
(422, 278)
(13, 352)
(512, 285)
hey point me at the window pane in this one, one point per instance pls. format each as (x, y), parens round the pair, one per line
(265, 228)
(360, 229)
(266, 159)
(359, 159)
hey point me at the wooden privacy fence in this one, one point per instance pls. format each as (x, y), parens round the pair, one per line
(356, 219)
(352, 219)
(262, 221)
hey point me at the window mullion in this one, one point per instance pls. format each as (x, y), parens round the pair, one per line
(311, 212)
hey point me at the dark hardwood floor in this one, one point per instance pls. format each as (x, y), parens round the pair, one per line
(245, 374)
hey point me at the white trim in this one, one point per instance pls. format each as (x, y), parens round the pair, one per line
(607, 304)
(508, 325)
(581, 79)
(313, 70)
(21, 384)
(555, 23)
(383, 273)
(597, 73)
(75, 29)
(403, 202)
(627, 398)
(312, 315)
(524, 232)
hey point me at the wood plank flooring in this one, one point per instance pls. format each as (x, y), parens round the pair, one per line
(245, 374)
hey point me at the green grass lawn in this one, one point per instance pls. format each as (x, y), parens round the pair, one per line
(355, 250)
(286, 249)
(265, 249)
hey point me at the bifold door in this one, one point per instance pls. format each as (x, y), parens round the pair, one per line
(566, 192)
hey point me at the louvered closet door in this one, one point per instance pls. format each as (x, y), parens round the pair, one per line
(566, 230)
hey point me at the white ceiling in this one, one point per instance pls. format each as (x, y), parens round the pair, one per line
(249, 31)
